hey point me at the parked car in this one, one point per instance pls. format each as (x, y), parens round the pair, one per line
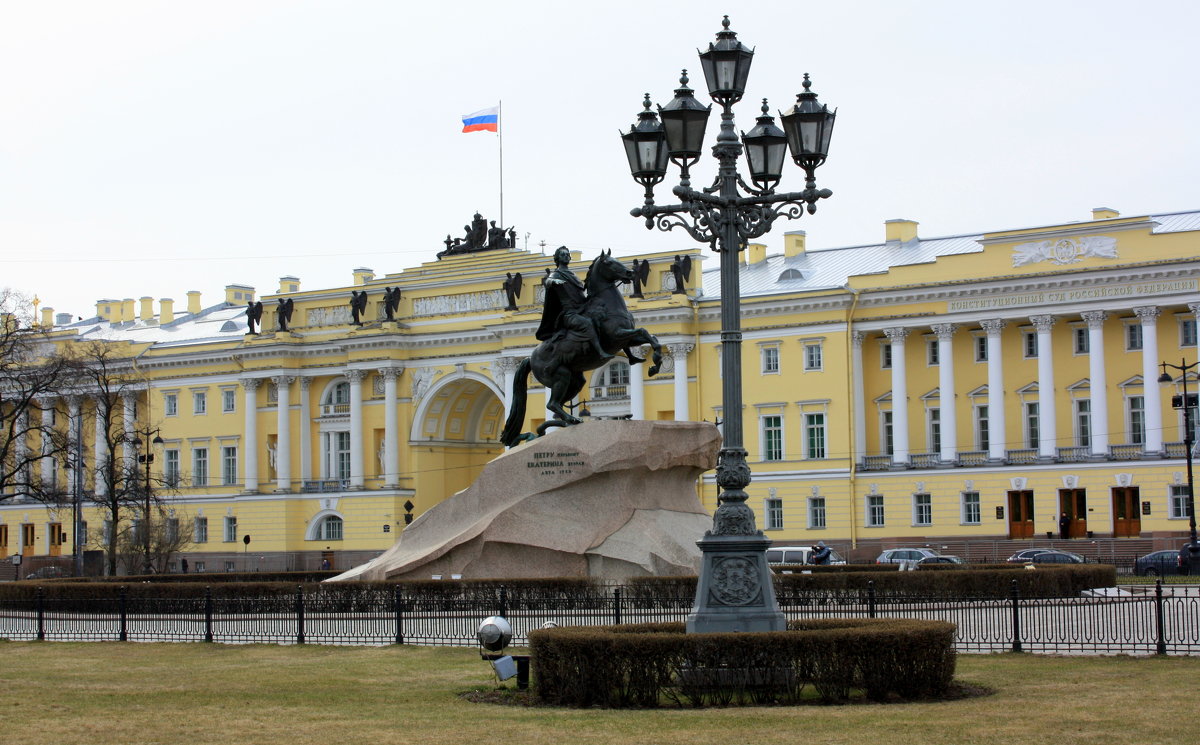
(897, 555)
(1025, 555)
(1057, 557)
(798, 555)
(46, 573)
(1159, 563)
(942, 559)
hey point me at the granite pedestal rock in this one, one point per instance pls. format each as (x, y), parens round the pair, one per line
(609, 499)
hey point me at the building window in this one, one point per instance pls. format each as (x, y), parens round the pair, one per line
(229, 566)
(889, 444)
(1083, 423)
(228, 400)
(816, 512)
(199, 402)
(170, 404)
(80, 540)
(922, 509)
(933, 425)
(1187, 331)
(981, 427)
(337, 401)
(932, 352)
(885, 355)
(200, 530)
(981, 348)
(230, 529)
(616, 374)
(229, 465)
(331, 529)
(1133, 337)
(1137, 420)
(1082, 343)
(874, 511)
(200, 467)
(171, 467)
(172, 530)
(1031, 344)
(814, 435)
(336, 464)
(1179, 502)
(970, 508)
(1032, 425)
(106, 532)
(774, 514)
(772, 437)
(813, 357)
(770, 360)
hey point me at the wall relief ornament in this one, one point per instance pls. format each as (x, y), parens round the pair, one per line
(735, 581)
(734, 518)
(1065, 250)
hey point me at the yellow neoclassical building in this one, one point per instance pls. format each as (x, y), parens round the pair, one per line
(966, 388)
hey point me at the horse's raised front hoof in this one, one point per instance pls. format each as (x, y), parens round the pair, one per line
(652, 371)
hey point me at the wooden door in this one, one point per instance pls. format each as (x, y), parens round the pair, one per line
(1074, 503)
(27, 539)
(1020, 514)
(1127, 517)
(55, 531)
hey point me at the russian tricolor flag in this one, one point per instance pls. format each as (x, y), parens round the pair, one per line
(484, 120)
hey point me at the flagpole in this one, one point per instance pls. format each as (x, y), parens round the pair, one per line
(500, 132)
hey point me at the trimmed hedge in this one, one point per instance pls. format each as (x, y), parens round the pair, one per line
(648, 665)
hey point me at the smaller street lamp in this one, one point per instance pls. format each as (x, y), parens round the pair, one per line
(1187, 402)
(147, 457)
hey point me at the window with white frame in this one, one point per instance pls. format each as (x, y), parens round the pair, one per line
(1179, 502)
(617, 373)
(1082, 340)
(885, 355)
(981, 348)
(981, 427)
(770, 359)
(875, 511)
(1030, 339)
(1133, 337)
(337, 400)
(229, 464)
(170, 404)
(971, 512)
(1083, 422)
(813, 356)
(816, 512)
(171, 467)
(336, 450)
(933, 425)
(330, 529)
(773, 512)
(1136, 408)
(814, 435)
(932, 352)
(199, 402)
(922, 509)
(772, 437)
(200, 530)
(172, 530)
(199, 466)
(230, 529)
(1187, 331)
(228, 400)
(1033, 436)
(885, 433)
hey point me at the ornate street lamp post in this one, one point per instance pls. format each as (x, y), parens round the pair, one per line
(147, 457)
(735, 591)
(1190, 554)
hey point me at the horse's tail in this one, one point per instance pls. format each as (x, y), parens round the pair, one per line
(516, 415)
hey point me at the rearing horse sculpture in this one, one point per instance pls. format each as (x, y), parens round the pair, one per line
(560, 362)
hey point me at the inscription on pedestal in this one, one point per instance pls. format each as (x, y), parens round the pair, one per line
(555, 462)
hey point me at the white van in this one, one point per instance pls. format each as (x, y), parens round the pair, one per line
(798, 555)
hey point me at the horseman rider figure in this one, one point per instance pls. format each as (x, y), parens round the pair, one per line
(565, 297)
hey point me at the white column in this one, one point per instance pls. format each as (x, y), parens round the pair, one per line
(99, 451)
(679, 354)
(1151, 401)
(637, 393)
(505, 367)
(391, 428)
(21, 448)
(997, 442)
(356, 424)
(1047, 416)
(896, 336)
(1097, 381)
(128, 417)
(283, 440)
(250, 450)
(947, 400)
(74, 429)
(305, 431)
(860, 395)
(47, 447)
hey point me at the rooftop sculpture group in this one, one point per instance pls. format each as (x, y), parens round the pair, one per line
(479, 237)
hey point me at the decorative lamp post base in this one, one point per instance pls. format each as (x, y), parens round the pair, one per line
(735, 591)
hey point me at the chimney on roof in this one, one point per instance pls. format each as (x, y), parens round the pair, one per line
(104, 309)
(1104, 213)
(62, 319)
(47, 316)
(901, 231)
(147, 313)
(362, 275)
(756, 253)
(127, 313)
(238, 294)
(166, 310)
(793, 243)
(289, 284)
(193, 301)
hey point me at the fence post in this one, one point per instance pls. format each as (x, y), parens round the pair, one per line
(616, 606)
(1158, 617)
(208, 613)
(399, 604)
(871, 598)
(40, 596)
(1016, 617)
(122, 601)
(299, 614)
(503, 601)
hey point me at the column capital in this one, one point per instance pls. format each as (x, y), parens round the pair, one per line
(897, 333)
(283, 380)
(305, 382)
(251, 384)
(391, 372)
(857, 337)
(682, 349)
(1147, 313)
(1043, 323)
(993, 326)
(354, 375)
(1194, 308)
(944, 330)
(1095, 318)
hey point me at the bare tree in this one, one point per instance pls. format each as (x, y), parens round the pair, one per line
(170, 534)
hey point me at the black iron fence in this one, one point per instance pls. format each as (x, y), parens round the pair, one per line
(1160, 620)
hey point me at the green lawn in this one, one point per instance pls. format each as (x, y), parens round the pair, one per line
(178, 694)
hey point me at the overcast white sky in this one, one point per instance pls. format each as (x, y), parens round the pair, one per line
(151, 148)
